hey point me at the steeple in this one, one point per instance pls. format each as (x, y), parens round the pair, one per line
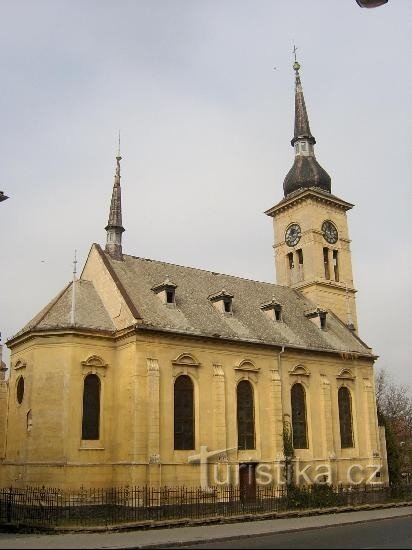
(306, 171)
(114, 226)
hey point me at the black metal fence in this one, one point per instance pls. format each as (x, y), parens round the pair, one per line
(50, 507)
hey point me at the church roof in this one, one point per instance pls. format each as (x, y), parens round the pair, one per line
(195, 314)
(89, 311)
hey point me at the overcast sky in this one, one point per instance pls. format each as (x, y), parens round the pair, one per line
(206, 124)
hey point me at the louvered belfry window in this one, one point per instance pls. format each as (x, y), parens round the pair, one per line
(184, 418)
(345, 418)
(245, 416)
(299, 424)
(91, 407)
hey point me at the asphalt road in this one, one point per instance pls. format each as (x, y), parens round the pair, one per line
(386, 533)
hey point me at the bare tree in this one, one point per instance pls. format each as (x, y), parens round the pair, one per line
(394, 402)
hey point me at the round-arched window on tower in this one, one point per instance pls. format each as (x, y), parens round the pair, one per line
(20, 390)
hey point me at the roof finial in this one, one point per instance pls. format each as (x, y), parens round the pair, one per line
(75, 265)
(296, 64)
(118, 159)
(72, 314)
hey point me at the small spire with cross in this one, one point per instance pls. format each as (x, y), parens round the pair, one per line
(114, 228)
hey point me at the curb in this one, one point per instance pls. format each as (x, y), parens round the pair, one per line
(189, 522)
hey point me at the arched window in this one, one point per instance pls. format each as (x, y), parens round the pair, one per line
(91, 407)
(299, 427)
(345, 418)
(245, 416)
(184, 417)
(20, 389)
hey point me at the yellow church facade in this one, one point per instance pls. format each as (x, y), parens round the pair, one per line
(142, 372)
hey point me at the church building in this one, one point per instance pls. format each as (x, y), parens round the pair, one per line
(139, 369)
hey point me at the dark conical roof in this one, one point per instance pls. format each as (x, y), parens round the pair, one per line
(306, 172)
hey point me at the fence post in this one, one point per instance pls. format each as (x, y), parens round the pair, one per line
(8, 506)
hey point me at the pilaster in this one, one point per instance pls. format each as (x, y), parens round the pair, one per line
(276, 424)
(153, 421)
(328, 444)
(153, 407)
(219, 408)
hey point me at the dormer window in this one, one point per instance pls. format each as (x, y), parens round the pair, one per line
(273, 310)
(222, 301)
(318, 317)
(170, 296)
(166, 292)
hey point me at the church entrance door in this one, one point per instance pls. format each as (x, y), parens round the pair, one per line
(247, 481)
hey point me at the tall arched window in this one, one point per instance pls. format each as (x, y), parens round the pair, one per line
(299, 426)
(345, 418)
(245, 416)
(184, 414)
(91, 407)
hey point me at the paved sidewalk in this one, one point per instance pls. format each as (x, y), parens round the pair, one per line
(155, 538)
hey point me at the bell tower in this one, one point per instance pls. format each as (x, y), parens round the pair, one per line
(311, 243)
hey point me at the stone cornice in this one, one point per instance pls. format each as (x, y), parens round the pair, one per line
(191, 336)
(325, 283)
(318, 196)
(58, 331)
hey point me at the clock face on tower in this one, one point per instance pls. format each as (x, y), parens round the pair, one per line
(329, 232)
(293, 234)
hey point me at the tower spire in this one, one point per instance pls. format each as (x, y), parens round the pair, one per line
(114, 227)
(302, 129)
(306, 171)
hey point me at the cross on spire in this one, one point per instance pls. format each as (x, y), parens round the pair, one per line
(296, 64)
